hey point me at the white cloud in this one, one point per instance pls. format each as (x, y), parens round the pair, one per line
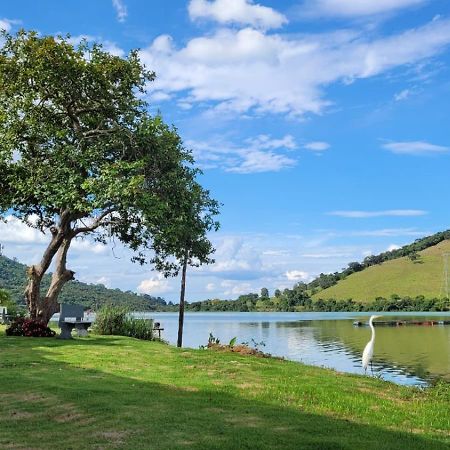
(103, 280)
(84, 245)
(389, 232)
(386, 213)
(16, 232)
(233, 288)
(403, 95)
(317, 146)
(260, 154)
(297, 275)
(415, 148)
(156, 285)
(242, 12)
(393, 247)
(210, 287)
(108, 46)
(354, 8)
(265, 142)
(250, 71)
(258, 161)
(275, 253)
(236, 260)
(326, 255)
(5, 24)
(121, 10)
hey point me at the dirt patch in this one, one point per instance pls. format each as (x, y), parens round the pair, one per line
(12, 446)
(114, 437)
(32, 397)
(70, 417)
(241, 349)
(185, 443)
(246, 421)
(217, 410)
(189, 388)
(21, 415)
(249, 386)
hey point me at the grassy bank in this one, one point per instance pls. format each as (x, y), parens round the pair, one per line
(399, 276)
(114, 392)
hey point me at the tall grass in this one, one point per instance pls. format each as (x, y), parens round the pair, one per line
(116, 320)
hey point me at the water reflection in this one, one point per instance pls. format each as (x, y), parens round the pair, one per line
(407, 355)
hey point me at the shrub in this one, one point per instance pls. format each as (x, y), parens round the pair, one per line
(116, 320)
(110, 320)
(139, 328)
(29, 327)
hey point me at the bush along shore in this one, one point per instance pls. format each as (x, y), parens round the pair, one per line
(119, 392)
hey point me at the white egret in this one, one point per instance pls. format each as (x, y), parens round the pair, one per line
(368, 350)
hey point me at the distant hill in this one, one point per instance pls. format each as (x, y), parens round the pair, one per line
(419, 273)
(13, 279)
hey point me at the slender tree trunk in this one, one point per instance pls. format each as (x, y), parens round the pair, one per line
(181, 312)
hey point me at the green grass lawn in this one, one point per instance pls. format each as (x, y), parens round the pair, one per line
(399, 276)
(120, 393)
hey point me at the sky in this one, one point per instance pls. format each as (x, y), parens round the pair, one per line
(320, 125)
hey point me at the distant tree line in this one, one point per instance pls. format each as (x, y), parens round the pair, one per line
(298, 299)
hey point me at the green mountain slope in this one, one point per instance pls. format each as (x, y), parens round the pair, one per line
(13, 280)
(400, 276)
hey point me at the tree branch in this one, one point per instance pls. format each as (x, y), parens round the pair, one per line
(97, 223)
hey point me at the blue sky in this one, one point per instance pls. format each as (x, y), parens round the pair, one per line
(321, 125)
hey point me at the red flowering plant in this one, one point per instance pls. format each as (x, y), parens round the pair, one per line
(29, 327)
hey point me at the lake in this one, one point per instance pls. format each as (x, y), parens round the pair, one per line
(411, 355)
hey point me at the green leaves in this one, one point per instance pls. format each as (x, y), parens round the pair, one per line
(75, 136)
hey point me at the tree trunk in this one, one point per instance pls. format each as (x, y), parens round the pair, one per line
(42, 308)
(181, 312)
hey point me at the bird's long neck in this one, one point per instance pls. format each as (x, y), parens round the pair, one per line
(373, 329)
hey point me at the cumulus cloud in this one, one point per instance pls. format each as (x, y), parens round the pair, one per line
(155, 285)
(121, 10)
(266, 142)
(103, 280)
(354, 8)
(16, 232)
(393, 247)
(260, 154)
(242, 12)
(250, 71)
(386, 213)
(415, 148)
(84, 245)
(297, 275)
(236, 259)
(233, 288)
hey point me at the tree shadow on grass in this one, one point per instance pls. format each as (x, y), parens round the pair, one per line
(62, 406)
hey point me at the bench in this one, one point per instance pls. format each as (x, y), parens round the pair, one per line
(70, 317)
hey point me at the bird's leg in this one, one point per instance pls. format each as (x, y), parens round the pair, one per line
(371, 367)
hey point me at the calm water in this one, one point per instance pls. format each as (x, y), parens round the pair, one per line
(406, 355)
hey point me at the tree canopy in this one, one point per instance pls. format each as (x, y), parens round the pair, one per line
(80, 154)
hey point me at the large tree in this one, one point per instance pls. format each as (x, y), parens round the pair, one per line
(80, 155)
